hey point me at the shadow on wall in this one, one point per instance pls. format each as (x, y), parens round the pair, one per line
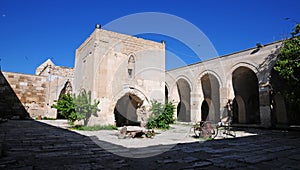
(10, 105)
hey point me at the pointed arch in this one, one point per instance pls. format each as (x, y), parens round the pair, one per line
(212, 73)
(211, 91)
(184, 108)
(245, 86)
(67, 89)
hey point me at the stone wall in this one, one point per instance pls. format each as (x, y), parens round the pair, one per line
(10, 104)
(33, 95)
(30, 90)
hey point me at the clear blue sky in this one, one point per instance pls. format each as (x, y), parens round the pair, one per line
(33, 30)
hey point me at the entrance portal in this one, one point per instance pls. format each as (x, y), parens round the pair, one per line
(126, 110)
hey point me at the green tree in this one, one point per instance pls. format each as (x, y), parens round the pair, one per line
(288, 69)
(65, 106)
(162, 115)
(84, 107)
(77, 108)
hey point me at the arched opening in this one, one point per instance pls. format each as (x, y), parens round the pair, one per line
(204, 110)
(184, 108)
(126, 110)
(210, 89)
(246, 104)
(67, 89)
(166, 94)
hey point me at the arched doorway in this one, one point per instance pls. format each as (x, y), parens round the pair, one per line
(126, 110)
(246, 103)
(184, 108)
(67, 89)
(210, 89)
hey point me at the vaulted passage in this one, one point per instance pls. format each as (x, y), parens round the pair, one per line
(246, 101)
(184, 108)
(126, 110)
(210, 108)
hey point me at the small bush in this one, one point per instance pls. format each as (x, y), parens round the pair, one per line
(162, 115)
(65, 106)
(76, 108)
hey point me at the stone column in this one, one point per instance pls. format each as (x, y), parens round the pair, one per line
(264, 106)
(223, 101)
(195, 107)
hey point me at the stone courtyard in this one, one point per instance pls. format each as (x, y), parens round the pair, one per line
(125, 74)
(28, 144)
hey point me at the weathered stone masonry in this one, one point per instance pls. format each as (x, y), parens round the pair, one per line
(31, 91)
(10, 104)
(35, 93)
(242, 77)
(125, 73)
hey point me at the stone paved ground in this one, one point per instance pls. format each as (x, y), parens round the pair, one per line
(35, 145)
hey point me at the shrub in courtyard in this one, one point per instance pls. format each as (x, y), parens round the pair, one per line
(76, 108)
(162, 115)
(84, 108)
(65, 106)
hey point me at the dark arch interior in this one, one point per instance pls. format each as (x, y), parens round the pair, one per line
(235, 111)
(125, 110)
(283, 111)
(210, 89)
(166, 94)
(245, 85)
(181, 111)
(67, 89)
(183, 108)
(204, 110)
